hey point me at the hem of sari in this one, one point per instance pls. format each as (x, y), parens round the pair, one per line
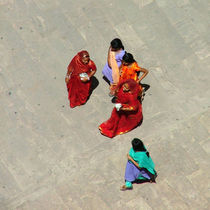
(152, 176)
(103, 133)
(118, 133)
(122, 132)
(73, 106)
(82, 101)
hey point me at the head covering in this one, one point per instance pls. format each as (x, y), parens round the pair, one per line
(76, 65)
(133, 86)
(82, 53)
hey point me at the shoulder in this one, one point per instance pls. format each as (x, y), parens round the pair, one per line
(131, 152)
(120, 54)
(136, 66)
(124, 67)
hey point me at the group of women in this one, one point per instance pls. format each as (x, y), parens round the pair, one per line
(122, 73)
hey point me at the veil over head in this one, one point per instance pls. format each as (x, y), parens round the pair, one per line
(76, 65)
(133, 86)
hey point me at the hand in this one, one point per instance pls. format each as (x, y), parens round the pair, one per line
(67, 79)
(112, 54)
(85, 79)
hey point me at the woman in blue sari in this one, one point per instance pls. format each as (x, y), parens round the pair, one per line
(140, 166)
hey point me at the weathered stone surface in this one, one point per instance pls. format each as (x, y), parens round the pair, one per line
(54, 157)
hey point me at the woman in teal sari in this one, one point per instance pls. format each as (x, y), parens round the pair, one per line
(140, 166)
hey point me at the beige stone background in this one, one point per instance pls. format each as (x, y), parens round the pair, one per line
(53, 157)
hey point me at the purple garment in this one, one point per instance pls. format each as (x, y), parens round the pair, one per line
(107, 71)
(132, 173)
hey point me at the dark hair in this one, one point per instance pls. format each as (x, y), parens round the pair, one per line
(128, 58)
(138, 146)
(117, 44)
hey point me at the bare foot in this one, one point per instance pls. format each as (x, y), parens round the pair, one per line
(124, 188)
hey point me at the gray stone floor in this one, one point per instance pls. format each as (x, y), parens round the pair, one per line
(53, 157)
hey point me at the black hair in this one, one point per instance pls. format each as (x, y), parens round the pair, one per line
(128, 58)
(138, 146)
(117, 44)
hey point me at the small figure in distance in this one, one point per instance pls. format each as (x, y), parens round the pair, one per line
(131, 70)
(116, 52)
(127, 113)
(140, 167)
(78, 78)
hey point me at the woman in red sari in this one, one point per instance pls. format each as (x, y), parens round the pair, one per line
(127, 113)
(78, 78)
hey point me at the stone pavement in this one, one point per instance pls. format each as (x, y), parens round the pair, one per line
(53, 157)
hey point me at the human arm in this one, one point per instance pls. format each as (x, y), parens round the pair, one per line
(115, 68)
(108, 57)
(145, 72)
(133, 161)
(91, 72)
(130, 106)
(68, 74)
(126, 107)
(85, 79)
(92, 69)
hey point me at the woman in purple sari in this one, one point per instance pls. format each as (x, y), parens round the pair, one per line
(139, 166)
(116, 48)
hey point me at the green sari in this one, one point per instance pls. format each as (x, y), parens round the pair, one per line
(143, 160)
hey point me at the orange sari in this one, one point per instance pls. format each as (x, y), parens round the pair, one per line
(127, 72)
(130, 72)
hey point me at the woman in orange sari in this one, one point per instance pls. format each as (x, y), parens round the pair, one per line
(128, 70)
(127, 113)
(78, 78)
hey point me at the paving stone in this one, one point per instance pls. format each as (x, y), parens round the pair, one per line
(54, 157)
(186, 190)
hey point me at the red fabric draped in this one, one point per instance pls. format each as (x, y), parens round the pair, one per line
(123, 121)
(78, 91)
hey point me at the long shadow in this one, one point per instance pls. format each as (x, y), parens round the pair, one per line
(139, 124)
(106, 80)
(145, 86)
(142, 181)
(113, 100)
(94, 85)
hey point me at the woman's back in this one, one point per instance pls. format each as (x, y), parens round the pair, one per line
(143, 160)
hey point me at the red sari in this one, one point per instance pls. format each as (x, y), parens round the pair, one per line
(78, 91)
(123, 121)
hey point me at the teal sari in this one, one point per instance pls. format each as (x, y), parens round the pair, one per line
(146, 171)
(143, 160)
